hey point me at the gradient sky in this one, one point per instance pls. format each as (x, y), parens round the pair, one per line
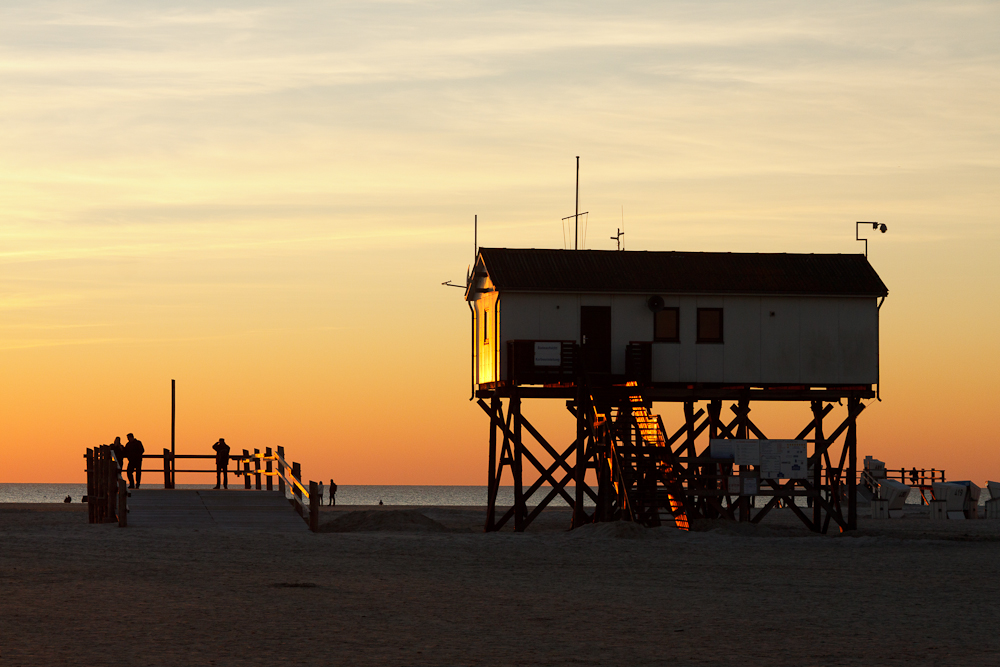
(261, 199)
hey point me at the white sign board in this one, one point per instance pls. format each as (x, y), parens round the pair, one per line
(747, 453)
(783, 459)
(548, 354)
(770, 459)
(794, 463)
(749, 486)
(721, 449)
(733, 486)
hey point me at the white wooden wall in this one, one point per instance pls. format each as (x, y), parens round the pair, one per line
(809, 340)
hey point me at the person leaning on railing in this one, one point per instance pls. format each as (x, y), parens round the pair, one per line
(133, 452)
(221, 463)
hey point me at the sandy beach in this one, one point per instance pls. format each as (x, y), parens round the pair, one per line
(902, 592)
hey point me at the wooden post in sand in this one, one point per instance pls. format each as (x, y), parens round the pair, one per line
(281, 470)
(268, 469)
(256, 466)
(122, 503)
(313, 506)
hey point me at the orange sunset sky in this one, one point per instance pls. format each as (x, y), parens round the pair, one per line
(261, 200)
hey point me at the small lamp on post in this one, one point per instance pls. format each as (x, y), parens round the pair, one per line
(875, 225)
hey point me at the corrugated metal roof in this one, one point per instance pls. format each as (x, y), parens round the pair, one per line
(534, 270)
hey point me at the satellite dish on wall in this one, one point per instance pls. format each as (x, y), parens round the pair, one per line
(655, 303)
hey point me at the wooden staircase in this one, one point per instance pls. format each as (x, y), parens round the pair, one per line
(668, 504)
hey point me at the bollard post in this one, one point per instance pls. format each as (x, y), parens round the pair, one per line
(268, 468)
(256, 467)
(166, 468)
(313, 506)
(281, 470)
(246, 469)
(122, 503)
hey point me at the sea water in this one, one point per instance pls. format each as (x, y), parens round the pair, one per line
(469, 496)
(346, 494)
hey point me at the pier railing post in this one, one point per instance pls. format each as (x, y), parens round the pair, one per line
(246, 469)
(256, 466)
(313, 506)
(296, 491)
(112, 483)
(268, 468)
(122, 503)
(281, 470)
(166, 468)
(90, 485)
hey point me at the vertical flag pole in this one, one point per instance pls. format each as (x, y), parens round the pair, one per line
(173, 423)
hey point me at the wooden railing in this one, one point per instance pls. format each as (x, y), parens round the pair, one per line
(921, 479)
(258, 470)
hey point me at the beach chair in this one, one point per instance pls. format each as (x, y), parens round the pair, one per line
(993, 504)
(949, 500)
(970, 506)
(891, 499)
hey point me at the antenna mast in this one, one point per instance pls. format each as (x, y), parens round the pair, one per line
(576, 234)
(577, 214)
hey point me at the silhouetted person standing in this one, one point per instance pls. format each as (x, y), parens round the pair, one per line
(333, 493)
(119, 450)
(221, 463)
(133, 452)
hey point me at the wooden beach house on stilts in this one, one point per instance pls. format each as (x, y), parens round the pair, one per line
(614, 332)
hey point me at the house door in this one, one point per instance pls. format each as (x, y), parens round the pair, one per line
(595, 338)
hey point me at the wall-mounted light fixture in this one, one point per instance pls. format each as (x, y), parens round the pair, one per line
(875, 225)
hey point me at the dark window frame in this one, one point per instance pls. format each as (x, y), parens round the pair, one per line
(711, 341)
(677, 321)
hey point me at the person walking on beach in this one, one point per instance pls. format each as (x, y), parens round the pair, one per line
(133, 452)
(221, 463)
(333, 493)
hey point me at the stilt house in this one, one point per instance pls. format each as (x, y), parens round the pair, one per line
(674, 319)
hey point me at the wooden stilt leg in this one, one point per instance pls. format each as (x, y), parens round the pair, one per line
(579, 516)
(493, 477)
(852, 464)
(817, 478)
(520, 512)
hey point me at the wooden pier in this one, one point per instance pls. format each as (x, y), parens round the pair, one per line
(211, 509)
(110, 501)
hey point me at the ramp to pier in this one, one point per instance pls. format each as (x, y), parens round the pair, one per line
(210, 509)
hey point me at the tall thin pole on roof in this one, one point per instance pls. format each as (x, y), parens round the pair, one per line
(576, 216)
(475, 238)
